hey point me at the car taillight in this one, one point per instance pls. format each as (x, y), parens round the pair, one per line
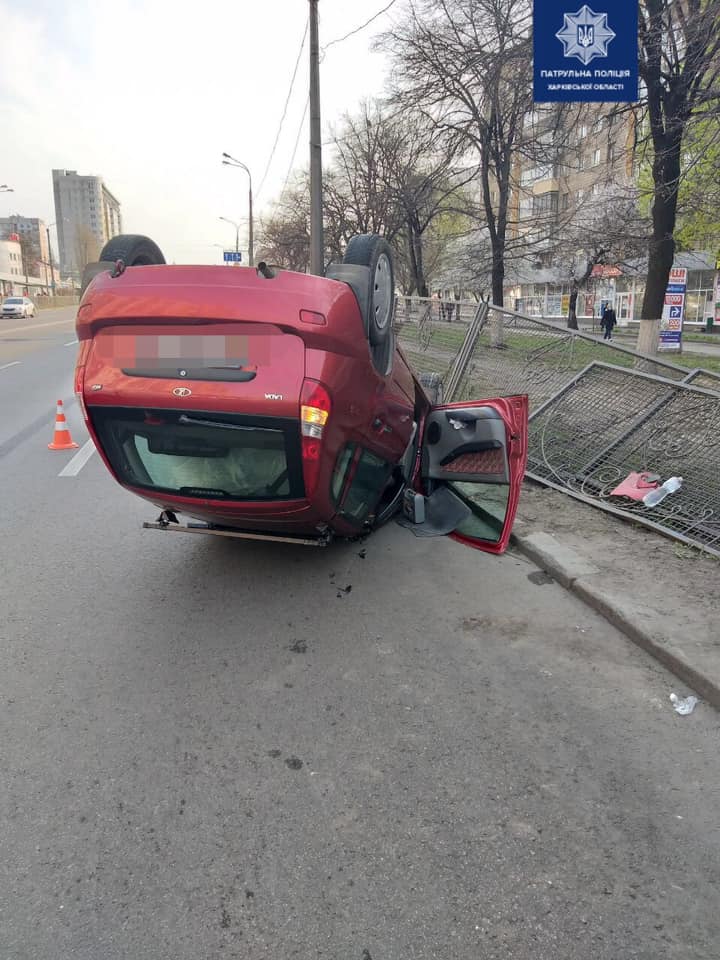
(83, 352)
(314, 413)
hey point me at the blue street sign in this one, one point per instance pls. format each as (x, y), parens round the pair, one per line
(585, 54)
(675, 313)
(232, 256)
(675, 288)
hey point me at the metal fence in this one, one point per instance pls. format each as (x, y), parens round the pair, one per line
(599, 410)
(514, 353)
(608, 421)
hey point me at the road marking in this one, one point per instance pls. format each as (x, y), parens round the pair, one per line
(37, 326)
(79, 460)
(70, 343)
(14, 363)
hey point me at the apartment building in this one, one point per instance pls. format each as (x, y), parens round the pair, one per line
(33, 236)
(87, 216)
(568, 176)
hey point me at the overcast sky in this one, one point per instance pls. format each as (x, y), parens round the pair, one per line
(149, 94)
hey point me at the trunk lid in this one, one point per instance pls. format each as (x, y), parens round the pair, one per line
(241, 368)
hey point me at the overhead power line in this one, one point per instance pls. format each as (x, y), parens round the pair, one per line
(284, 113)
(297, 141)
(361, 27)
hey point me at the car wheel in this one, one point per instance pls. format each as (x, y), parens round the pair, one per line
(371, 251)
(133, 249)
(433, 386)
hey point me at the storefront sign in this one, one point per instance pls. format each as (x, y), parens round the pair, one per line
(671, 323)
(585, 54)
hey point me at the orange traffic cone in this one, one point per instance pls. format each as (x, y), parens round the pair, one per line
(62, 439)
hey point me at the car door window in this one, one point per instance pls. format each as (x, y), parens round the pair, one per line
(489, 504)
(340, 470)
(368, 483)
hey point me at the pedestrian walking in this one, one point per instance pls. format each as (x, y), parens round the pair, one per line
(608, 321)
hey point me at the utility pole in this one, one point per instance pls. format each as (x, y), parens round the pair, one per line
(251, 251)
(317, 258)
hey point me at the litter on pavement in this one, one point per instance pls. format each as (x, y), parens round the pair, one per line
(683, 705)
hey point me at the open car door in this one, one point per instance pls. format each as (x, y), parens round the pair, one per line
(473, 459)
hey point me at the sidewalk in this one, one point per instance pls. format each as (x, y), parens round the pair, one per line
(663, 595)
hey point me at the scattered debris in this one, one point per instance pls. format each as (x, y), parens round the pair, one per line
(685, 705)
(274, 754)
(657, 496)
(363, 553)
(293, 762)
(635, 486)
(343, 591)
(300, 646)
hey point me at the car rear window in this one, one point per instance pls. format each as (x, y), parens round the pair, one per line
(205, 455)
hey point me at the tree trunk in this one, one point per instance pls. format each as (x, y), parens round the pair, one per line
(661, 249)
(497, 329)
(420, 279)
(572, 309)
(498, 278)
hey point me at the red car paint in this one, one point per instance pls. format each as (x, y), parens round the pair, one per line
(293, 337)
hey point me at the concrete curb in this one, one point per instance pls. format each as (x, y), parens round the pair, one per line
(569, 568)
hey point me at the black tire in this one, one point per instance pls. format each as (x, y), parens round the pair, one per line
(433, 386)
(133, 249)
(371, 251)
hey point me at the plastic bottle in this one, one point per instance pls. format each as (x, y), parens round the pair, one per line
(659, 493)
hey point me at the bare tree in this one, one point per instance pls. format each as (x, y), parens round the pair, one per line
(386, 176)
(465, 67)
(680, 68)
(86, 248)
(604, 230)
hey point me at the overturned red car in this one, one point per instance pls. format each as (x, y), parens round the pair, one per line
(267, 404)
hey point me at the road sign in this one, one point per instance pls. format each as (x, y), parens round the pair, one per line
(671, 322)
(232, 256)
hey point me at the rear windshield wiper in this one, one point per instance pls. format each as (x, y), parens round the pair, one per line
(194, 421)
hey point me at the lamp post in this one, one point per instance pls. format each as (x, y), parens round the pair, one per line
(233, 162)
(237, 232)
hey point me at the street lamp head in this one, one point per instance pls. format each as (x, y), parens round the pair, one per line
(226, 155)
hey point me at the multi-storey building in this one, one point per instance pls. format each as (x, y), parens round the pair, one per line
(584, 163)
(33, 237)
(87, 216)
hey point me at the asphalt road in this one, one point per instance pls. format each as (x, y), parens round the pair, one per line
(215, 749)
